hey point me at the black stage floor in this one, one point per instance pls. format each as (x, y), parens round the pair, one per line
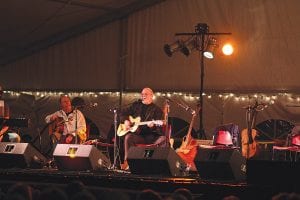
(159, 169)
(125, 181)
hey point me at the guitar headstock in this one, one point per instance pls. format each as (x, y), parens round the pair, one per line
(195, 112)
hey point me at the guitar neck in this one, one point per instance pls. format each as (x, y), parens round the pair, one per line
(147, 122)
(189, 133)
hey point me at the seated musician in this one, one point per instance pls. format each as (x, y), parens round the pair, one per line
(4, 129)
(151, 133)
(62, 124)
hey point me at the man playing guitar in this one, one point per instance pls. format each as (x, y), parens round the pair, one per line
(67, 125)
(145, 110)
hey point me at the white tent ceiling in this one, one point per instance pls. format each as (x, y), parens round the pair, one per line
(28, 26)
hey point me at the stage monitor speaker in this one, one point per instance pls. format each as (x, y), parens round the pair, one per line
(155, 161)
(270, 172)
(20, 155)
(76, 157)
(223, 164)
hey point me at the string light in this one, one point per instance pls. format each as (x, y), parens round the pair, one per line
(237, 97)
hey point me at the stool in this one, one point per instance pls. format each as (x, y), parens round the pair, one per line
(280, 153)
(296, 153)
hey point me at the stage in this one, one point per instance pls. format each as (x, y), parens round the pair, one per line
(219, 172)
(126, 182)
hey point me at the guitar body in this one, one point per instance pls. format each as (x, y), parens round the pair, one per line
(186, 145)
(56, 129)
(135, 123)
(188, 156)
(188, 148)
(122, 128)
(67, 139)
(248, 149)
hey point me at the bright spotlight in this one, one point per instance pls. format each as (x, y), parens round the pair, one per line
(227, 49)
(211, 46)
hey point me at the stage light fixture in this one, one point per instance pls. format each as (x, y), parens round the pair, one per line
(211, 47)
(188, 46)
(171, 48)
(202, 41)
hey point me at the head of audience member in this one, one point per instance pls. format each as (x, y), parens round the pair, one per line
(286, 196)
(85, 194)
(147, 96)
(149, 194)
(65, 103)
(21, 189)
(113, 194)
(51, 193)
(231, 197)
(74, 187)
(175, 197)
(184, 192)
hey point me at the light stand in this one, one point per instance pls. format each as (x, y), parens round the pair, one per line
(201, 33)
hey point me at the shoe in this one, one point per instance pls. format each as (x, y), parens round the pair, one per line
(125, 165)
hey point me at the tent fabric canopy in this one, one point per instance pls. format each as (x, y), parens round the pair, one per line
(265, 34)
(125, 53)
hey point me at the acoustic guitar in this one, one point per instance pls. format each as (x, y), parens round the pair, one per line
(188, 148)
(56, 129)
(135, 123)
(248, 142)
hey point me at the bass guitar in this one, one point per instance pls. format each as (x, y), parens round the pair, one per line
(135, 123)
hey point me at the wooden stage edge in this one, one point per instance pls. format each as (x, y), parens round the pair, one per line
(131, 183)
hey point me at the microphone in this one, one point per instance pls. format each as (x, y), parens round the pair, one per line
(168, 99)
(189, 109)
(93, 105)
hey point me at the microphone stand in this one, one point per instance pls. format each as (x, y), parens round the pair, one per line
(185, 107)
(167, 133)
(76, 126)
(116, 148)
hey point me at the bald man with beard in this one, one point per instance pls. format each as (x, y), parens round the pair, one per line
(150, 133)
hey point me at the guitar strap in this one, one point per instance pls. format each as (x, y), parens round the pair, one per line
(147, 112)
